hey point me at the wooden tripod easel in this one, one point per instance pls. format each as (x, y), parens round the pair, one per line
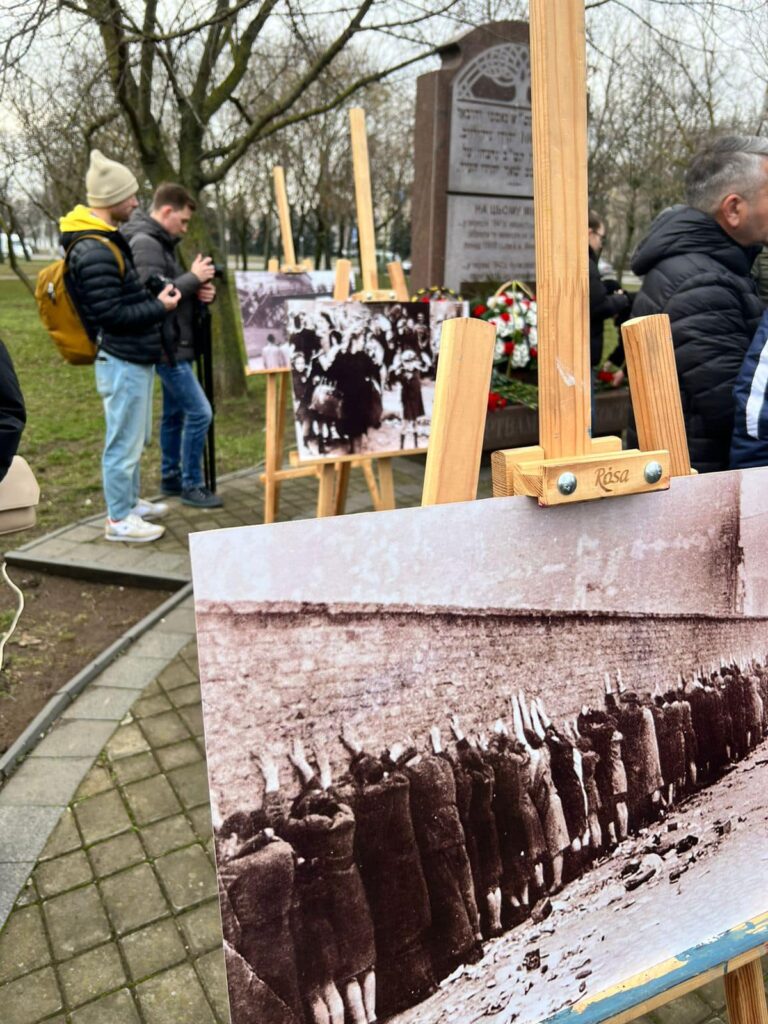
(335, 482)
(333, 477)
(466, 352)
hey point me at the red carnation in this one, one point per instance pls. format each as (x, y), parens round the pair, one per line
(479, 310)
(505, 317)
(424, 298)
(534, 351)
(509, 348)
(605, 375)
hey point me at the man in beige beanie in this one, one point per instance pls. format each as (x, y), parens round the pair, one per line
(125, 321)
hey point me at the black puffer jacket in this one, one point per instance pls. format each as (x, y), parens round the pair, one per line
(700, 277)
(154, 251)
(13, 414)
(119, 311)
(602, 304)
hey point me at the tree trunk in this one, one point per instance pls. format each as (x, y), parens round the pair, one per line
(228, 359)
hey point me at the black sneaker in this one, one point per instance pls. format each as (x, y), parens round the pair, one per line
(170, 486)
(200, 497)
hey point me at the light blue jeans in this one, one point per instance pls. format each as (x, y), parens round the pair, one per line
(126, 391)
(186, 417)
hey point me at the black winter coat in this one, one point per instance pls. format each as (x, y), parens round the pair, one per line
(154, 252)
(602, 304)
(119, 311)
(13, 414)
(700, 277)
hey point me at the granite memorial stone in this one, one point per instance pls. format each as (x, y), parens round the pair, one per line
(473, 188)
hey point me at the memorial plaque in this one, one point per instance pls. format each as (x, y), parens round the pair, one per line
(491, 124)
(491, 239)
(473, 152)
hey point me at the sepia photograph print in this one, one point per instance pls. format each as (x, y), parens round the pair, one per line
(262, 296)
(363, 377)
(488, 761)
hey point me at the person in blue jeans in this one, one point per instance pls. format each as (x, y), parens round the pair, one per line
(187, 413)
(126, 323)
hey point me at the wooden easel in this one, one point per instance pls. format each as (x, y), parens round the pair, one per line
(278, 380)
(334, 482)
(466, 352)
(333, 477)
(568, 465)
(370, 291)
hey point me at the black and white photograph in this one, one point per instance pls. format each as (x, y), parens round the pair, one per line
(262, 296)
(363, 377)
(464, 768)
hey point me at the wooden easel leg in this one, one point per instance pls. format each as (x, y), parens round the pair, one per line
(745, 995)
(270, 459)
(282, 393)
(370, 478)
(326, 492)
(386, 484)
(342, 484)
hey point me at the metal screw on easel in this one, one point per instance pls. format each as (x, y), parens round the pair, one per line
(567, 483)
(652, 472)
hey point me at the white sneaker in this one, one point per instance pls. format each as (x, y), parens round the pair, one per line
(132, 529)
(149, 509)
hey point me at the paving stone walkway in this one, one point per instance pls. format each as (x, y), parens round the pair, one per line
(106, 830)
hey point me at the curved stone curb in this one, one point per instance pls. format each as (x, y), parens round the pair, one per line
(45, 718)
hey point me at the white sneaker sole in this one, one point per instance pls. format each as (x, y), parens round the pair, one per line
(132, 540)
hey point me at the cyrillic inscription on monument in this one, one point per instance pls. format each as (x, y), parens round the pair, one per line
(489, 239)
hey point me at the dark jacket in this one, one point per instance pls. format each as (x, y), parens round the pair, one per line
(602, 304)
(119, 312)
(749, 443)
(700, 277)
(13, 415)
(154, 252)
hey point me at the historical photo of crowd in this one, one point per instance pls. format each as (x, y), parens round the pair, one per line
(353, 895)
(444, 793)
(262, 296)
(363, 375)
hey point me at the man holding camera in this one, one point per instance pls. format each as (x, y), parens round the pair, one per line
(125, 320)
(187, 413)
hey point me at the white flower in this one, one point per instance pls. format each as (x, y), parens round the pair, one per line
(520, 355)
(498, 352)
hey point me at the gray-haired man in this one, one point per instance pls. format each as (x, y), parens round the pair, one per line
(696, 261)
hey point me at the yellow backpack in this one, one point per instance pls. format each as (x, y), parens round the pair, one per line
(59, 312)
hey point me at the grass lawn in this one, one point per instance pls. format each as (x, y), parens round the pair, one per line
(64, 434)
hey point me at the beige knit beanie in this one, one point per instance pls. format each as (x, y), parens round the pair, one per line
(107, 182)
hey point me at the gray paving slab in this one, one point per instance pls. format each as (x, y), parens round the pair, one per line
(45, 781)
(131, 671)
(160, 643)
(24, 831)
(103, 703)
(73, 738)
(12, 878)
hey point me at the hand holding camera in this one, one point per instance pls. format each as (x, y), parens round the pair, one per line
(203, 268)
(169, 296)
(164, 290)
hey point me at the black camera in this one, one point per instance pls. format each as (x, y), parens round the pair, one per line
(155, 283)
(219, 271)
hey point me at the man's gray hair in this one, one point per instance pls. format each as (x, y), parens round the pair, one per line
(731, 163)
